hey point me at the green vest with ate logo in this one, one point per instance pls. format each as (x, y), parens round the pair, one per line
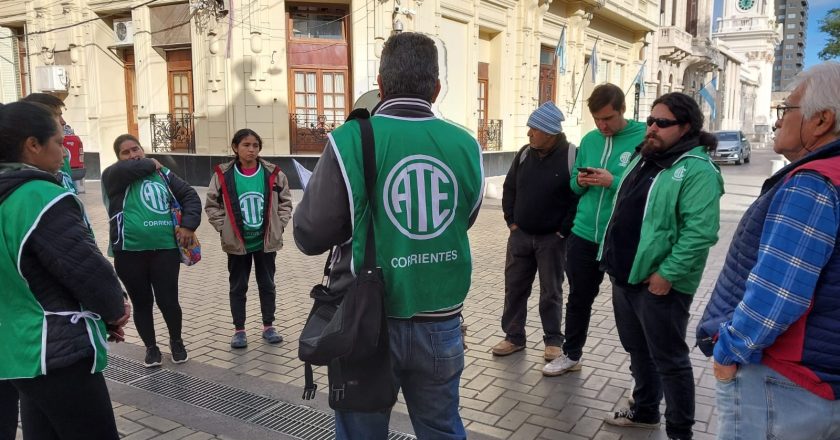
(23, 321)
(429, 181)
(147, 219)
(251, 192)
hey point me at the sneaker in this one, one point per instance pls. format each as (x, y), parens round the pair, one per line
(153, 357)
(239, 340)
(552, 352)
(625, 417)
(506, 347)
(271, 336)
(179, 352)
(561, 365)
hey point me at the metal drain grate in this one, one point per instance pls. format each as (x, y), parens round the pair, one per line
(286, 418)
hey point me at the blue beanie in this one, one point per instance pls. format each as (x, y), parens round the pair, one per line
(547, 119)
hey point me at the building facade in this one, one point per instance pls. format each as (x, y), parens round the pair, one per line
(792, 17)
(749, 29)
(184, 77)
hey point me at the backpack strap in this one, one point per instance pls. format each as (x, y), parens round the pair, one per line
(572, 157)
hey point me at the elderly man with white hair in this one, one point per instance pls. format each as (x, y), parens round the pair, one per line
(772, 321)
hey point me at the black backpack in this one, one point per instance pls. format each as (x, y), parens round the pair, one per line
(348, 331)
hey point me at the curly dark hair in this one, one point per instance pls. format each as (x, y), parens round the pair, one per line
(686, 110)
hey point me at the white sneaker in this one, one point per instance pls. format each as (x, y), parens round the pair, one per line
(561, 365)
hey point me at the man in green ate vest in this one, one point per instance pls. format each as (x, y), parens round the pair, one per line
(427, 194)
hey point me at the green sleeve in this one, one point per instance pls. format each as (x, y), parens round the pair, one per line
(698, 222)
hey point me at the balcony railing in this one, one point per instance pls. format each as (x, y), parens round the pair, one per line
(173, 133)
(490, 134)
(674, 43)
(309, 132)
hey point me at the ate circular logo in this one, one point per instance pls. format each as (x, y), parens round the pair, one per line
(624, 159)
(420, 196)
(679, 174)
(155, 197)
(251, 205)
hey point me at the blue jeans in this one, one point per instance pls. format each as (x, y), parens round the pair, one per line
(428, 358)
(760, 403)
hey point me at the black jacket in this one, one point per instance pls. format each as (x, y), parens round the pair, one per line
(116, 180)
(536, 194)
(64, 268)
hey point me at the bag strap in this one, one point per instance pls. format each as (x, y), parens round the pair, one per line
(362, 116)
(310, 387)
(172, 198)
(369, 156)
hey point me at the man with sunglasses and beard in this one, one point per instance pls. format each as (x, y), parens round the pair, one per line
(666, 217)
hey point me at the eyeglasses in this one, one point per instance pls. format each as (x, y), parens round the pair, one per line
(662, 123)
(781, 110)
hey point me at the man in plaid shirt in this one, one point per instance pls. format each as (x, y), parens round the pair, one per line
(772, 322)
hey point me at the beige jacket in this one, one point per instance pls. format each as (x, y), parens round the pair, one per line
(222, 207)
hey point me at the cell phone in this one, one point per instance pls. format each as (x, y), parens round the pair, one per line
(585, 170)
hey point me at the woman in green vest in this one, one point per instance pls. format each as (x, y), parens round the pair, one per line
(138, 193)
(249, 203)
(58, 290)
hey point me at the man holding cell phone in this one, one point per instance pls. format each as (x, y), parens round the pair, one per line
(602, 158)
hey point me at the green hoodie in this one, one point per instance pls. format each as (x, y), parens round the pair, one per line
(680, 223)
(613, 154)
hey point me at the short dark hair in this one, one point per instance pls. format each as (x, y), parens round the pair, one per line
(51, 101)
(686, 110)
(21, 120)
(606, 94)
(122, 138)
(409, 66)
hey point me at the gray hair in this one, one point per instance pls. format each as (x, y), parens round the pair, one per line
(822, 90)
(409, 65)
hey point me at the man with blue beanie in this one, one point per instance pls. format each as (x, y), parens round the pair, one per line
(539, 206)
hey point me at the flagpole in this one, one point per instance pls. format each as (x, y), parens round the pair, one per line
(583, 79)
(635, 78)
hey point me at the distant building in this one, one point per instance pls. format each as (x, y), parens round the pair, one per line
(792, 17)
(749, 30)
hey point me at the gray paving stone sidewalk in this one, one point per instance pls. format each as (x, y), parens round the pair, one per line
(501, 397)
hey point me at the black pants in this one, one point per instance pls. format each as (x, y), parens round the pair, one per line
(585, 279)
(526, 255)
(239, 267)
(8, 410)
(149, 277)
(652, 330)
(67, 403)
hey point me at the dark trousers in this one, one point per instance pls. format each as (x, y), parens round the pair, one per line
(526, 255)
(8, 410)
(652, 330)
(67, 403)
(585, 279)
(149, 277)
(239, 268)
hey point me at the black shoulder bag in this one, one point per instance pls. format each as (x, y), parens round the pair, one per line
(348, 331)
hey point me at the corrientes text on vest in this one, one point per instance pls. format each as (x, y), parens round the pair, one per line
(437, 257)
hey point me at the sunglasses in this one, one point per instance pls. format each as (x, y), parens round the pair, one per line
(662, 123)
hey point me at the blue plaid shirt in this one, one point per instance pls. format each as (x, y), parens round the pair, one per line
(799, 234)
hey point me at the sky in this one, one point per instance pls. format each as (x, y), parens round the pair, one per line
(817, 9)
